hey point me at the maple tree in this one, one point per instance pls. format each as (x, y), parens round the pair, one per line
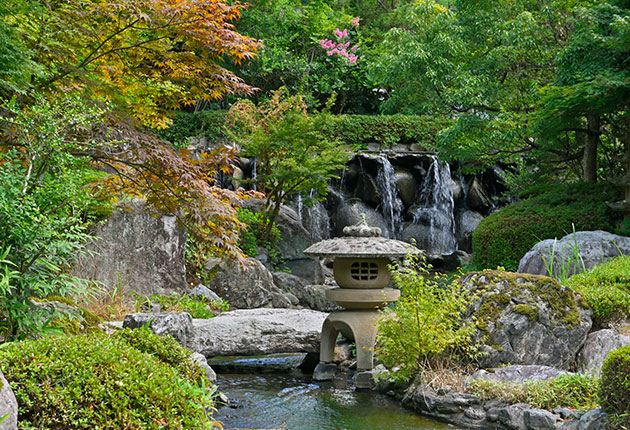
(144, 56)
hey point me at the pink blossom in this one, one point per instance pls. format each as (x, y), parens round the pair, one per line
(354, 48)
(341, 34)
(355, 21)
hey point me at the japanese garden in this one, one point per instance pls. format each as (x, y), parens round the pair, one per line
(315, 214)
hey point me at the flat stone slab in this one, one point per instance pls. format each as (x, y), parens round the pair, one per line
(258, 332)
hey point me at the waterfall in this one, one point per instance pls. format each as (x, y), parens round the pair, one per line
(254, 174)
(436, 210)
(391, 206)
(314, 217)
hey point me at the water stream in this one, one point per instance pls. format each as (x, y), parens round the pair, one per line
(391, 206)
(292, 401)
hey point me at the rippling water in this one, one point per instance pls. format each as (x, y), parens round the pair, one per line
(295, 402)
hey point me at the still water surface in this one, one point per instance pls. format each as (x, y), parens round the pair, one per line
(295, 402)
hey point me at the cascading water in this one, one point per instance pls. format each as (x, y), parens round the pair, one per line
(391, 206)
(314, 218)
(254, 174)
(435, 211)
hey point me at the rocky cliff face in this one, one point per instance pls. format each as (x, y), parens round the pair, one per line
(137, 250)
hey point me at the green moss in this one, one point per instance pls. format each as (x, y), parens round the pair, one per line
(606, 289)
(561, 301)
(83, 322)
(615, 388)
(505, 236)
(531, 312)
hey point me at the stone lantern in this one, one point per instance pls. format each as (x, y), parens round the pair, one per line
(360, 269)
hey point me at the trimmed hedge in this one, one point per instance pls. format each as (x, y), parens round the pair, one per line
(504, 237)
(615, 388)
(606, 288)
(353, 130)
(100, 381)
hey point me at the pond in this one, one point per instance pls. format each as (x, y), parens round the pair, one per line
(293, 401)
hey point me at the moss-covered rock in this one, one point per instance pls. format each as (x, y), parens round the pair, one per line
(526, 319)
(505, 236)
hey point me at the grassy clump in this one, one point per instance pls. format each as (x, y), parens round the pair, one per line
(100, 381)
(615, 388)
(570, 391)
(504, 237)
(606, 289)
(197, 307)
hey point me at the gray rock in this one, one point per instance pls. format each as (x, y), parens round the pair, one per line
(568, 414)
(202, 362)
(367, 189)
(178, 325)
(406, 185)
(465, 224)
(512, 416)
(324, 372)
(477, 197)
(527, 319)
(309, 296)
(594, 420)
(307, 268)
(243, 286)
(597, 347)
(143, 251)
(539, 419)
(205, 292)
(365, 379)
(594, 247)
(258, 332)
(8, 405)
(517, 373)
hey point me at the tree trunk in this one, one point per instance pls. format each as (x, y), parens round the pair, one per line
(590, 147)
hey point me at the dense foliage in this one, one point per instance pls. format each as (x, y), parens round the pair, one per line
(99, 381)
(425, 331)
(615, 388)
(504, 237)
(606, 288)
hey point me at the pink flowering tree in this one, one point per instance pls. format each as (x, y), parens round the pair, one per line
(342, 46)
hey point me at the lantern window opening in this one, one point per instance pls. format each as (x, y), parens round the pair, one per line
(364, 271)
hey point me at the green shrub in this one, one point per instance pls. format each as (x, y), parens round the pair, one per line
(425, 332)
(571, 391)
(252, 236)
(615, 388)
(606, 289)
(352, 130)
(100, 381)
(504, 237)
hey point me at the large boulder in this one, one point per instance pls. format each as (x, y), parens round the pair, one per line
(246, 286)
(8, 406)
(592, 247)
(258, 332)
(526, 319)
(406, 185)
(136, 250)
(597, 347)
